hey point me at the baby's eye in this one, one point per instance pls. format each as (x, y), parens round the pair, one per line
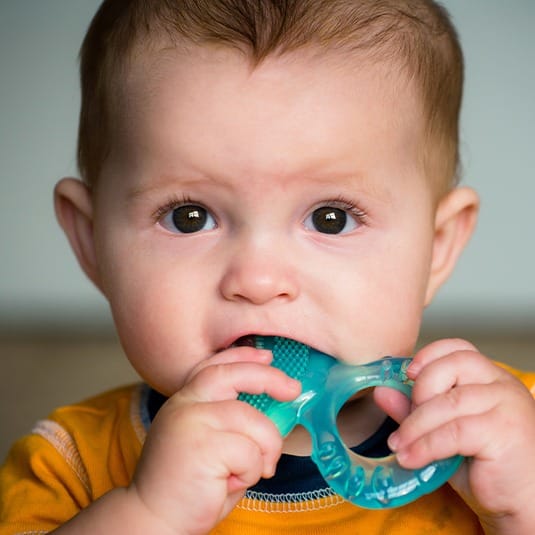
(331, 220)
(187, 219)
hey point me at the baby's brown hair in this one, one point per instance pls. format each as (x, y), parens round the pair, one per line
(416, 35)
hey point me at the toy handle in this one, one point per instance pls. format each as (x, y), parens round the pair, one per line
(373, 483)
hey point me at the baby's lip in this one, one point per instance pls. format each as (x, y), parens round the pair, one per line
(238, 340)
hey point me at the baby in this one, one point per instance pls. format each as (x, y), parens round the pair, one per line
(275, 167)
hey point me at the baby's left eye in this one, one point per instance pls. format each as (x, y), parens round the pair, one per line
(331, 220)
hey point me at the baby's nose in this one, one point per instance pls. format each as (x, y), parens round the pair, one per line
(259, 276)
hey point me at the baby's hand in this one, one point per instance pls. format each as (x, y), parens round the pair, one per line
(462, 403)
(205, 448)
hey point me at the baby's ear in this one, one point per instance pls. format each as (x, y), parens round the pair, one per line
(455, 221)
(74, 212)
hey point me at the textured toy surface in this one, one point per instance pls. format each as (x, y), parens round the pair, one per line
(326, 385)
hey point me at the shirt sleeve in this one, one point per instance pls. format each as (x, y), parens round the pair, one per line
(43, 482)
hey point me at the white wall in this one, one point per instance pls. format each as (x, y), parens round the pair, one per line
(40, 283)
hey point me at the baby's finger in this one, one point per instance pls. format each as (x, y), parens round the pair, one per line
(198, 425)
(392, 402)
(226, 381)
(244, 463)
(231, 355)
(243, 419)
(436, 350)
(441, 411)
(464, 436)
(456, 369)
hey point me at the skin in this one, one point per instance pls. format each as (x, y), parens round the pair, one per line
(261, 150)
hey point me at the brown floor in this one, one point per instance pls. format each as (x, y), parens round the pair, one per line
(40, 373)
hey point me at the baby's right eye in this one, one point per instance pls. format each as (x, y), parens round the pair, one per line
(187, 219)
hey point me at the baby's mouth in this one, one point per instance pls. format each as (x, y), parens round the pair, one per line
(249, 340)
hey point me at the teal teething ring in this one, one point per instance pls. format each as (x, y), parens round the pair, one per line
(326, 385)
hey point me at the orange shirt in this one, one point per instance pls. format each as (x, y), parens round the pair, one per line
(82, 451)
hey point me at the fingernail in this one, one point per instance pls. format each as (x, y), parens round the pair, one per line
(296, 385)
(414, 369)
(393, 441)
(265, 354)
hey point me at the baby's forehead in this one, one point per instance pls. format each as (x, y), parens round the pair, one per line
(150, 68)
(127, 49)
(183, 85)
(289, 116)
(201, 81)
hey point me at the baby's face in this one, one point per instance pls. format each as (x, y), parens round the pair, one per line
(287, 199)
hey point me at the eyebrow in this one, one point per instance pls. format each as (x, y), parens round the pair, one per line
(346, 180)
(165, 181)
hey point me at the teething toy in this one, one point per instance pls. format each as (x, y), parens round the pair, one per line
(326, 385)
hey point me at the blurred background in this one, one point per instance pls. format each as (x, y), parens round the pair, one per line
(56, 338)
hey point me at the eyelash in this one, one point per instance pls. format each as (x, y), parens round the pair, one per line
(339, 202)
(349, 206)
(171, 204)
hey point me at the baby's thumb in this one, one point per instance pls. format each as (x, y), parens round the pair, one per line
(393, 402)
